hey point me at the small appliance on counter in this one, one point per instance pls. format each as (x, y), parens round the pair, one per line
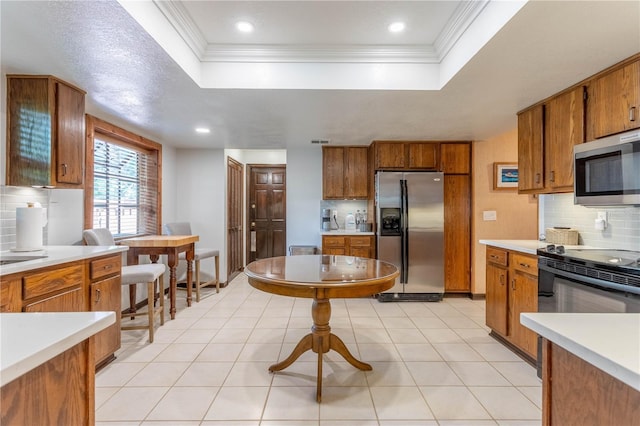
(326, 220)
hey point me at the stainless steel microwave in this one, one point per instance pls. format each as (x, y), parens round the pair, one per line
(607, 171)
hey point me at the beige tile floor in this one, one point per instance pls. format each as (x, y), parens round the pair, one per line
(433, 364)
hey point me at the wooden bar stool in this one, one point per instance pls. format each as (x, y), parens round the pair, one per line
(184, 228)
(151, 274)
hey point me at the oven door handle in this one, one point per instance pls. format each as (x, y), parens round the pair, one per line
(589, 280)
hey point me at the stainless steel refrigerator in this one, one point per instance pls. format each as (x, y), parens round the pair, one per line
(410, 234)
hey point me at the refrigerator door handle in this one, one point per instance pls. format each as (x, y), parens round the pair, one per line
(403, 255)
(405, 229)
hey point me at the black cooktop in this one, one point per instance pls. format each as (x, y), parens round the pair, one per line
(626, 259)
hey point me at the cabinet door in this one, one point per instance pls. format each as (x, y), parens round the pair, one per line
(564, 128)
(523, 297)
(455, 158)
(614, 102)
(333, 172)
(457, 233)
(70, 134)
(29, 158)
(360, 246)
(423, 155)
(11, 295)
(390, 155)
(497, 302)
(105, 296)
(357, 175)
(530, 150)
(70, 301)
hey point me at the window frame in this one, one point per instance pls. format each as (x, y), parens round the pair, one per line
(127, 139)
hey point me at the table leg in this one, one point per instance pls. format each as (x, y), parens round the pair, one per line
(172, 260)
(320, 341)
(189, 255)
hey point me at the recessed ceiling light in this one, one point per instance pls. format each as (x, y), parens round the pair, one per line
(244, 26)
(396, 27)
(202, 130)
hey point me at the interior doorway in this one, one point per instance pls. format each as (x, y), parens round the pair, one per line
(266, 211)
(235, 213)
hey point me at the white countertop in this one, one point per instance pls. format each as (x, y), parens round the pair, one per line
(30, 339)
(524, 246)
(343, 232)
(55, 256)
(610, 342)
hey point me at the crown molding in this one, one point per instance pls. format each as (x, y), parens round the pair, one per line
(320, 53)
(460, 21)
(187, 29)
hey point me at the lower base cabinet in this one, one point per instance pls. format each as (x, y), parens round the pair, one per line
(349, 245)
(512, 288)
(59, 392)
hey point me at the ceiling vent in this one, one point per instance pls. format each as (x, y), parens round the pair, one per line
(319, 141)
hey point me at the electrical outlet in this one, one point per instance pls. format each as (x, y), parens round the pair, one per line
(489, 215)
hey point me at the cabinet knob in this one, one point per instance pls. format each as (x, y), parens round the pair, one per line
(513, 284)
(553, 176)
(524, 265)
(632, 114)
(537, 177)
(98, 295)
(64, 169)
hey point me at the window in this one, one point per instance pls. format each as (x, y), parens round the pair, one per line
(123, 191)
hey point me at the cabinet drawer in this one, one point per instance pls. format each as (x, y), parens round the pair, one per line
(334, 241)
(497, 256)
(106, 266)
(47, 282)
(524, 263)
(360, 241)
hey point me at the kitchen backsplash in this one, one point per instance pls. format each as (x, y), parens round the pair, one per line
(622, 231)
(12, 197)
(343, 207)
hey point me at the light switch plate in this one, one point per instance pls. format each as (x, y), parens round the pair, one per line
(489, 215)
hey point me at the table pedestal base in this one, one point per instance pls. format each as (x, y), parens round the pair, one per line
(320, 341)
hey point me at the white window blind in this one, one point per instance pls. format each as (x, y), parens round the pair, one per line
(125, 193)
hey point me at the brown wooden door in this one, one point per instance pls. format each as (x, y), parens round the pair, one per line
(333, 173)
(455, 158)
(530, 149)
(356, 172)
(564, 128)
(235, 213)
(267, 197)
(423, 155)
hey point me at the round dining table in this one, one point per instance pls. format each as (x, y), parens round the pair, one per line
(321, 278)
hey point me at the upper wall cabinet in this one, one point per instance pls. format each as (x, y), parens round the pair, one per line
(344, 172)
(455, 158)
(546, 136)
(390, 155)
(614, 102)
(530, 150)
(45, 132)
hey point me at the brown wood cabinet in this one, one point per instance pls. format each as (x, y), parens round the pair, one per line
(614, 101)
(512, 288)
(105, 295)
(531, 150)
(564, 118)
(61, 391)
(455, 158)
(345, 172)
(45, 132)
(457, 233)
(89, 285)
(403, 155)
(349, 245)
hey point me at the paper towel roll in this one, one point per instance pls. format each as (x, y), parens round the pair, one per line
(29, 223)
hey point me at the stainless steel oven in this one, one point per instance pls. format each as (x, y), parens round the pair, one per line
(587, 281)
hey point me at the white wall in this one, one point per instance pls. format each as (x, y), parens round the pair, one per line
(304, 192)
(200, 198)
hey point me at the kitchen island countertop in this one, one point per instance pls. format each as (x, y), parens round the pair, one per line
(55, 255)
(610, 342)
(31, 339)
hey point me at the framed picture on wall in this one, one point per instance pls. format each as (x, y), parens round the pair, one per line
(505, 176)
